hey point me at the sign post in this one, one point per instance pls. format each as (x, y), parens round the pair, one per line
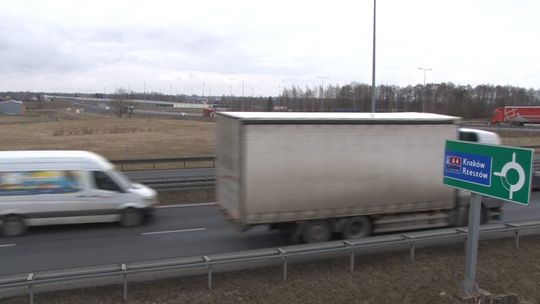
(496, 171)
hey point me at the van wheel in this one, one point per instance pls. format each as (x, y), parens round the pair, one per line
(356, 227)
(13, 225)
(316, 232)
(132, 217)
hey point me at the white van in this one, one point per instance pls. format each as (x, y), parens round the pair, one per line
(67, 187)
(479, 136)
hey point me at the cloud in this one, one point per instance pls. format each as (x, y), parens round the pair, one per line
(60, 43)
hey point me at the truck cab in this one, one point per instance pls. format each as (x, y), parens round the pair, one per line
(479, 136)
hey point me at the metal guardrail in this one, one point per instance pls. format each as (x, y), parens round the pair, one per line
(283, 254)
(177, 182)
(123, 163)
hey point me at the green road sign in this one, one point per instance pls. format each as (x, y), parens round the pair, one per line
(496, 171)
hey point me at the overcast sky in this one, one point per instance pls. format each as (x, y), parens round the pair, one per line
(183, 46)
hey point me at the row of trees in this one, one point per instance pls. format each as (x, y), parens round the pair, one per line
(443, 98)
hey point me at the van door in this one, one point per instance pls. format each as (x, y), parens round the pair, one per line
(104, 197)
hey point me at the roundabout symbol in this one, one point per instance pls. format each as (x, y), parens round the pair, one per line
(513, 165)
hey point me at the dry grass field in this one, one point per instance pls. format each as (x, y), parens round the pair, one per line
(112, 137)
(129, 138)
(53, 127)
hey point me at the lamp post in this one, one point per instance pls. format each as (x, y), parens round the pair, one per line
(322, 78)
(424, 99)
(373, 88)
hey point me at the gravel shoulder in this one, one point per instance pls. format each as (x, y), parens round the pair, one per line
(434, 277)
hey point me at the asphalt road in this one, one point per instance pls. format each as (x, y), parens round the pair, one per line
(177, 231)
(174, 232)
(525, 128)
(103, 109)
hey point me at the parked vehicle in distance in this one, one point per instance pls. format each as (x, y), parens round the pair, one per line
(516, 115)
(314, 175)
(67, 187)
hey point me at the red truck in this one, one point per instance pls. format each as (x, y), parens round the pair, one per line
(209, 112)
(516, 115)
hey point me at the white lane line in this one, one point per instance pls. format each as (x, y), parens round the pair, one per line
(174, 231)
(7, 245)
(185, 205)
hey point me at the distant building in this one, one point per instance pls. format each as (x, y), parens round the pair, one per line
(11, 107)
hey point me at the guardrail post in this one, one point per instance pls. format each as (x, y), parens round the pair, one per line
(284, 259)
(125, 287)
(209, 266)
(516, 234)
(30, 279)
(465, 231)
(352, 256)
(411, 246)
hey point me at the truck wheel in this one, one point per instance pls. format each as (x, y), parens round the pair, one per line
(132, 217)
(356, 227)
(13, 225)
(316, 232)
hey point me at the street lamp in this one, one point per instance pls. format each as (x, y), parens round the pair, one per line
(373, 65)
(424, 99)
(322, 78)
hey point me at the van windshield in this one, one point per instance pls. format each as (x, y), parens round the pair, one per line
(120, 178)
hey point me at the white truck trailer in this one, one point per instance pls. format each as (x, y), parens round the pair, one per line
(315, 175)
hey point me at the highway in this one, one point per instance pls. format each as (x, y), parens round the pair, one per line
(496, 129)
(175, 231)
(108, 110)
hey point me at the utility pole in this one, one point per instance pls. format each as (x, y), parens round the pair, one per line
(424, 99)
(322, 78)
(373, 88)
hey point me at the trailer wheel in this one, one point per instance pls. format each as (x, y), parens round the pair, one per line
(356, 227)
(316, 232)
(13, 225)
(131, 217)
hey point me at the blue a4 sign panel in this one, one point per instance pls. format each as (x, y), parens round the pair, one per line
(468, 167)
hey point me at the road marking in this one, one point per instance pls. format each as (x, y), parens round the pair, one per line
(7, 245)
(174, 231)
(185, 205)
